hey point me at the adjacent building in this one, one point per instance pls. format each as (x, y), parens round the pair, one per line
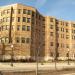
(31, 33)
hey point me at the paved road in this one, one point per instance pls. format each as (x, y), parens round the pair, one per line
(41, 73)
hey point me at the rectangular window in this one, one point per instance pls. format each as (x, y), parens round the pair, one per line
(74, 25)
(51, 26)
(24, 19)
(17, 40)
(67, 45)
(8, 11)
(67, 36)
(51, 19)
(18, 19)
(24, 11)
(19, 11)
(51, 33)
(7, 40)
(23, 27)
(66, 30)
(29, 12)
(27, 40)
(28, 20)
(22, 40)
(51, 43)
(28, 28)
(7, 19)
(18, 27)
(66, 24)
(57, 28)
(7, 27)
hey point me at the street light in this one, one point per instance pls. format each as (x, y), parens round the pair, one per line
(12, 56)
(37, 61)
(68, 57)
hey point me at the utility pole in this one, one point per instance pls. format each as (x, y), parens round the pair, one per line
(10, 37)
(37, 60)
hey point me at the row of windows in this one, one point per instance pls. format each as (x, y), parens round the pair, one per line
(61, 45)
(24, 19)
(28, 20)
(5, 27)
(62, 35)
(22, 40)
(20, 11)
(57, 22)
(18, 40)
(62, 29)
(4, 40)
(24, 28)
(24, 11)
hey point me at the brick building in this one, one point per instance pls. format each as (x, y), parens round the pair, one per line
(30, 33)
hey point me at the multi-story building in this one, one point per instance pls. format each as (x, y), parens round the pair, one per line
(31, 33)
(20, 25)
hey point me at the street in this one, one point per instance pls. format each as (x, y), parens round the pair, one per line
(30, 69)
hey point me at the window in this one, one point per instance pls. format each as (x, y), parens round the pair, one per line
(7, 40)
(18, 27)
(8, 11)
(51, 26)
(0, 39)
(51, 19)
(28, 28)
(67, 36)
(3, 40)
(23, 40)
(7, 27)
(19, 11)
(51, 43)
(3, 27)
(57, 44)
(62, 35)
(28, 20)
(0, 28)
(27, 40)
(51, 33)
(24, 19)
(29, 12)
(67, 46)
(18, 19)
(57, 28)
(24, 11)
(67, 55)
(63, 29)
(74, 25)
(67, 30)
(66, 24)
(7, 19)
(23, 27)
(74, 37)
(74, 31)
(17, 40)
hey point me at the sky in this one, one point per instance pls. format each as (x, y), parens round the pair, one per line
(61, 9)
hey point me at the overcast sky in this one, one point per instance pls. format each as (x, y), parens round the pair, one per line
(63, 9)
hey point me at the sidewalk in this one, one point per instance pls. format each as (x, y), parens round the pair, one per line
(32, 66)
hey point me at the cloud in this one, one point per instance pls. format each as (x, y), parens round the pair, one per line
(40, 3)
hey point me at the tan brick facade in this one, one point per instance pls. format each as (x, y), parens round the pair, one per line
(34, 33)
